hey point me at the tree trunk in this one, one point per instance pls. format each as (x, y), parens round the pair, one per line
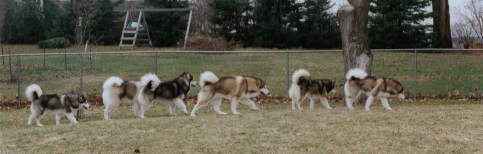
(353, 20)
(441, 24)
(201, 14)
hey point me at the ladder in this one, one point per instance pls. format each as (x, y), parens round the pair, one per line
(135, 31)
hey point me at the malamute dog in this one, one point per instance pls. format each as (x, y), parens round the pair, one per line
(59, 103)
(171, 92)
(314, 89)
(235, 88)
(115, 90)
(359, 82)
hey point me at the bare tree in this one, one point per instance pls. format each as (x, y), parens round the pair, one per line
(353, 20)
(470, 29)
(441, 23)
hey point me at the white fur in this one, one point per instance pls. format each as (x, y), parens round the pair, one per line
(29, 91)
(207, 76)
(357, 73)
(299, 73)
(150, 77)
(112, 81)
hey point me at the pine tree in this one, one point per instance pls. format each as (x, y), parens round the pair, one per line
(399, 24)
(232, 19)
(319, 28)
(166, 28)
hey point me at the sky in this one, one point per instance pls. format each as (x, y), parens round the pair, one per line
(456, 8)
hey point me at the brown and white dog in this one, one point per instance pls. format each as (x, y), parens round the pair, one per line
(303, 86)
(358, 82)
(60, 104)
(234, 88)
(116, 89)
(169, 93)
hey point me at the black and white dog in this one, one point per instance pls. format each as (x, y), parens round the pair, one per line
(171, 92)
(59, 103)
(303, 86)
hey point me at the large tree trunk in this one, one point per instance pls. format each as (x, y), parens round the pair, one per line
(201, 14)
(441, 24)
(353, 20)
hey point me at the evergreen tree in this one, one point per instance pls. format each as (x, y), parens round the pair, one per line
(399, 24)
(276, 23)
(102, 22)
(166, 28)
(319, 28)
(24, 23)
(232, 19)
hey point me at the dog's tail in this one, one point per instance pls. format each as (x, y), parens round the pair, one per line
(150, 81)
(300, 74)
(356, 73)
(207, 78)
(112, 81)
(33, 92)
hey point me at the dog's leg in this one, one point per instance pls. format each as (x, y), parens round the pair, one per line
(311, 103)
(325, 102)
(249, 103)
(31, 118)
(38, 116)
(298, 104)
(57, 118)
(171, 109)
(142, 109)
(385, 103)
(203, 99)
(369, 101)
(348, 102)
(234, 104)
(294, 103)
(216, 106)
(180, 104)
(135, 109)
(71, 118)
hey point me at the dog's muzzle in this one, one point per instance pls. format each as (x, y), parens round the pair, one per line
(85, 105)
(401, 96)
(265, 91)
(193, 84)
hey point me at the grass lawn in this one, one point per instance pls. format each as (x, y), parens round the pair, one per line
(418, 127)
(436, 73)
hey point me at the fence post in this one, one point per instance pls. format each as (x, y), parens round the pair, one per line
(65, 58)
(3, 58)
(155, 63)
(81, 72)
(90, 57)
(45, 66)
(287, 70)
(18, 69)
(10, 65)
(415, 67)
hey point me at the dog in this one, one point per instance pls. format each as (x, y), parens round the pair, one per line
(65, 104)
(358, 82)
(235, 88)
(171, 92)
(116, 89)
(314, 89)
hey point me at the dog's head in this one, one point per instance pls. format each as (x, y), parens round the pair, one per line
(188, 78)
(262, 86)
(394, 87)
(77, 101)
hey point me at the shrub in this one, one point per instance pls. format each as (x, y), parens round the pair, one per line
(56, 42)
(203, 42)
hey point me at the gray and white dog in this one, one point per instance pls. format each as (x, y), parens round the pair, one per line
(60, 104)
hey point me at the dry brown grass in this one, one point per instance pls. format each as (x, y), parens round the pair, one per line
(422, 127)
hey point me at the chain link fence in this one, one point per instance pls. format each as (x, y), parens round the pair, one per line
(422, 71)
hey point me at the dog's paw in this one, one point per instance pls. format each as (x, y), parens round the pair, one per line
(221, 113)
(236, 113)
